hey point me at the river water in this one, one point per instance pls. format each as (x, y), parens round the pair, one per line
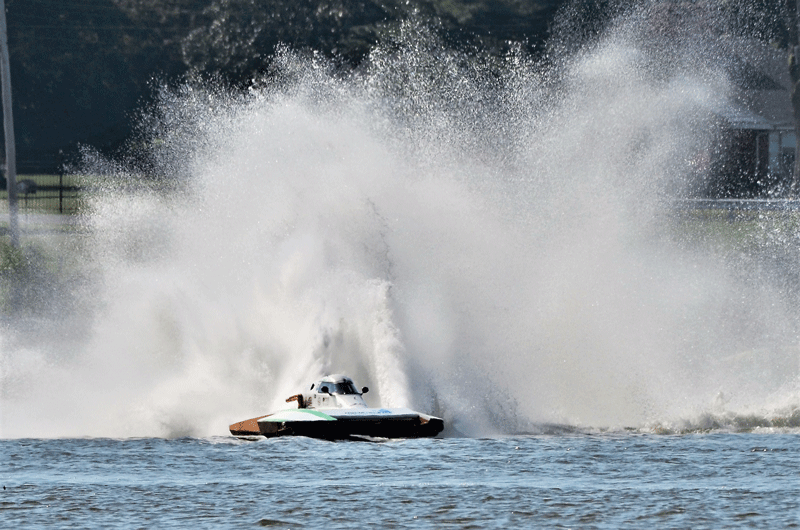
(574, 480)
(490, 242)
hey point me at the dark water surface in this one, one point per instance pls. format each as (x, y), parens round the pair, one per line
(576, 481)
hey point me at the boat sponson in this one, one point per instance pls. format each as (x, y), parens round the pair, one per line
(246, 427)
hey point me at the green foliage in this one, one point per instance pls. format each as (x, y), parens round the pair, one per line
(236, 38)
(77, 70)
(82, 68)
(12, 260)
(16, 271)
(34, 279)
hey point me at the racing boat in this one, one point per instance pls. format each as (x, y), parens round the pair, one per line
(334, 409)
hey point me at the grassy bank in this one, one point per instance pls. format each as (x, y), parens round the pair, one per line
(740, 230)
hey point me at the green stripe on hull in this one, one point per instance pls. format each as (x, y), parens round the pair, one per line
(321, 415)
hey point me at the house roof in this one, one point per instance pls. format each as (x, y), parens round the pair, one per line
(739, 117)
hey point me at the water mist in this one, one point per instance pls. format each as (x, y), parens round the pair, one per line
(492, 243)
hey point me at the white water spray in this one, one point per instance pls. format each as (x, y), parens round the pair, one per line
(498, 250)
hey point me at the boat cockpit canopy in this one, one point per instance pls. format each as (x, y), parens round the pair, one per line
(342, 387)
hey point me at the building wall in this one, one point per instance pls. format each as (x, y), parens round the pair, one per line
(750, 163)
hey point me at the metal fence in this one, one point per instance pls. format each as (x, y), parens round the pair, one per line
(47, 194)
(62, 194)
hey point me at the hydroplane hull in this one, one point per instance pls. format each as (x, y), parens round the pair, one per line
(340, 424)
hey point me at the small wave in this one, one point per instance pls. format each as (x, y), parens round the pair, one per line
(785, 421)
(278, 523)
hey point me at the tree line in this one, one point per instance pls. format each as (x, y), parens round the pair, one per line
(80, 69)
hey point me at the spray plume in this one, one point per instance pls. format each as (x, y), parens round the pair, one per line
(493, 241)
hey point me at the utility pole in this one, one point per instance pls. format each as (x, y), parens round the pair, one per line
(8, 128)
(794, 72)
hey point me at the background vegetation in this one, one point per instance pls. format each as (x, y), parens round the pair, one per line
(80, 69)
